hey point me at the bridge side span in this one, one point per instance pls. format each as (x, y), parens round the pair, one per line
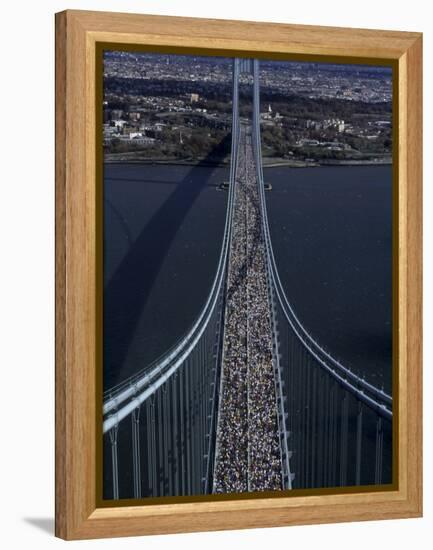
(333, 415)
(177, 392)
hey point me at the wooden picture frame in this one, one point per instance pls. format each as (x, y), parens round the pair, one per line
(78, 292)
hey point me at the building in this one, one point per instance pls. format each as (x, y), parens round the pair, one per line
(126, 130)
(116, 114)
(118, 123)
(134, 116)
(137, 140)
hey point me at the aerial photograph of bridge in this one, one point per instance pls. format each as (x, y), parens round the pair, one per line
(247, 267)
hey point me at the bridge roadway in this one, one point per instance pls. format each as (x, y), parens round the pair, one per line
(248, 456)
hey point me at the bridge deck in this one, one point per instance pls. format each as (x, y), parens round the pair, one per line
(247, 448)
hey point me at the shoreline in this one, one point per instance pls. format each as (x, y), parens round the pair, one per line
(167, 162)
(267, 163)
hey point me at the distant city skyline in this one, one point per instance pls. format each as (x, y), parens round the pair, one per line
(178, 108)
(369, 83)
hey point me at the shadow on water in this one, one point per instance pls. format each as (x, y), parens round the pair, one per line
(127, 292)
(118, 215)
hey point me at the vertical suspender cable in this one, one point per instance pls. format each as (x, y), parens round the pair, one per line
(135, 424)
(115, 468)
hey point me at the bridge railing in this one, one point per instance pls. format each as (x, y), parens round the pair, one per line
(333, 414)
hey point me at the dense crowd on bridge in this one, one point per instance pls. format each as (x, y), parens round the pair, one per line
(248, 453)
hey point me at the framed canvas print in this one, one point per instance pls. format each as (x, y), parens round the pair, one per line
(238, 274)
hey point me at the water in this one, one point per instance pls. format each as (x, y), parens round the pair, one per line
(163, 227)
(331, 232)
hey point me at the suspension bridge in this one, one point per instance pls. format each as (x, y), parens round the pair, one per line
(247, 400)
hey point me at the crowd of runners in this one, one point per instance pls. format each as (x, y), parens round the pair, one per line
(248, 453)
